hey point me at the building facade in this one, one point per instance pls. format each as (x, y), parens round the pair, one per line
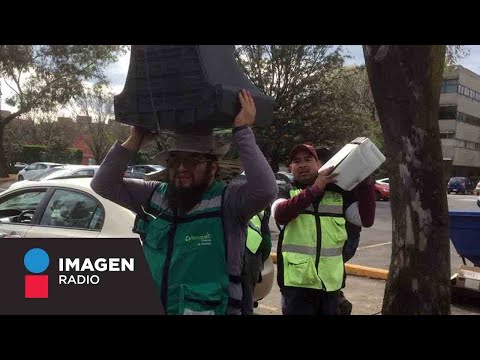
(459, 122)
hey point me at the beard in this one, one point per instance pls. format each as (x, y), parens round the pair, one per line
(182, 200)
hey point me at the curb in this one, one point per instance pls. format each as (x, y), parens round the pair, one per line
(356, 270)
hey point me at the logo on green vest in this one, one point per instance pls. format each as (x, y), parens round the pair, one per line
(201, 239)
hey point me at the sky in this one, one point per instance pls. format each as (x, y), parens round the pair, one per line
(117, 72)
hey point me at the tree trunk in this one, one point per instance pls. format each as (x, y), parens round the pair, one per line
(275, 160)
(405, 82)
(3, 158)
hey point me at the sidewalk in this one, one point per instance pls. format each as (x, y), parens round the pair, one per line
(365, 294)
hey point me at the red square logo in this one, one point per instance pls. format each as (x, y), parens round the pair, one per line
(36, 286)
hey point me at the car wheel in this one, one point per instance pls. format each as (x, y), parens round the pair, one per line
(20, 178)
(378, 196)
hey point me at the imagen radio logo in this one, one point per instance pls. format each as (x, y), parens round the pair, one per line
(36, 261)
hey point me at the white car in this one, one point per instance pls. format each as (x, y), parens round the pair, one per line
(62, 171)
(35, 169)
(69, 208)
(62, 208)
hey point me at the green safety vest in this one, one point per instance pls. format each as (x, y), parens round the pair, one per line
(186, 254)
(311, 245)
(254, 235)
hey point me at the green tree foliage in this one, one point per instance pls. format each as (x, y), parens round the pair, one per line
(45, 76)
(318, 100)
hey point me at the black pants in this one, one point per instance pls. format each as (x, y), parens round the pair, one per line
(302, 301)
(252, 270)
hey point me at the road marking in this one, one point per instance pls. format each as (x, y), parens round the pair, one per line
(266, 307)
(371, 246)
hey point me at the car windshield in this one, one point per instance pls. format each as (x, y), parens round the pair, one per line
(456, 181)
(156, 167)
(59, 173)
(46, 173)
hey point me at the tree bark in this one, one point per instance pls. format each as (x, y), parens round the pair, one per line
(275, 160)
(3, 159)
(405, 82)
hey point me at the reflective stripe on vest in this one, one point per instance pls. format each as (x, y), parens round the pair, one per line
(187, 256)
(326, 209)
(306, 265)
(310, 250)
(254, 233)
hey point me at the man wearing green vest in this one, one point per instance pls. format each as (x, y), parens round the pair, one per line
(309, 255)
(259, 245)
(363, 194)
(193, 227)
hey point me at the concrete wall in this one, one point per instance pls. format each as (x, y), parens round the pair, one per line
(466, 157)
(468, 106)
(467, 132)
(458, 149)
(449, 99)
(448, 148)
(469, 79)
(447, 125)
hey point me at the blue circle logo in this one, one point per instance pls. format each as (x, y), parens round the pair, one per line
(36, 260)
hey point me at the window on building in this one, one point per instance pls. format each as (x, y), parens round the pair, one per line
(472, 120)
(469, 145)
(451, 86)
(447, 112)
(447, 135)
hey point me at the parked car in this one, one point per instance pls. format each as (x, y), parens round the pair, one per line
(63, 171)
(70, 208)
(287, 174)
(15, 168)
(382, 189)
(477, 189)
(281, 178)
(62, 208)
(139, 171)
(263, 288)
(35, 169)
(460, 185)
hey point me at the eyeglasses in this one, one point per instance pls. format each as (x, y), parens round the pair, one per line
(188, 163)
